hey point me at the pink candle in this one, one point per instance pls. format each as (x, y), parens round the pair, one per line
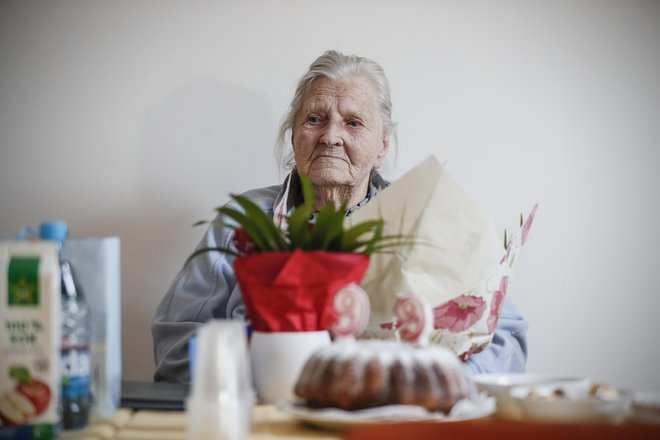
(414, 318)
(352, 306)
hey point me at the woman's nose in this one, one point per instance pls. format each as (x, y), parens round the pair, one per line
(332, 135)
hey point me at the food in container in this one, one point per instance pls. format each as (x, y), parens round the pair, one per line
(558, 403)
(499, 385)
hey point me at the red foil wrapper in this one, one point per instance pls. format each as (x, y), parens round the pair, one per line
(293, 291)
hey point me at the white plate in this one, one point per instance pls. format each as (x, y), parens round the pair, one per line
(333, 418)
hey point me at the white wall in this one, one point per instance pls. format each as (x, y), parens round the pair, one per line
(137, 118)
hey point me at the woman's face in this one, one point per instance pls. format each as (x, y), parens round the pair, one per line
(338, 134)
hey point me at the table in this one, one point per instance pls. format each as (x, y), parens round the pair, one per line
(271, 424)
(126, 424)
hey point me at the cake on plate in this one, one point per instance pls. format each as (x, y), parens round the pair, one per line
(353, 375)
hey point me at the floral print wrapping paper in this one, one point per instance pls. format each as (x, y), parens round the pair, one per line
(459, 263)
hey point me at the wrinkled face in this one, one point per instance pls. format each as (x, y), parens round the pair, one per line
(338, 134)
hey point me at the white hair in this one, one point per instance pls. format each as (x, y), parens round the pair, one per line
(334, 66)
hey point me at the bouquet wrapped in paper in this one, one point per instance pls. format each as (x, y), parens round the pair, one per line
(457, 263)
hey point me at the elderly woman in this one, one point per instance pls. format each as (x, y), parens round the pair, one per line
(340, 125)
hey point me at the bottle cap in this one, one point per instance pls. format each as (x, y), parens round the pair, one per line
(56, 230)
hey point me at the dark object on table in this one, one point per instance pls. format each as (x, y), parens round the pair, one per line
(153, 395)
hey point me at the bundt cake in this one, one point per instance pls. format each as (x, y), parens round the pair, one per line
(354, 375)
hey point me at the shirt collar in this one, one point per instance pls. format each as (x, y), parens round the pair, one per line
(291, 196)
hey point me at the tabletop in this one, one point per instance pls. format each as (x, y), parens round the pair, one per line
(271, 424)
(268, 423)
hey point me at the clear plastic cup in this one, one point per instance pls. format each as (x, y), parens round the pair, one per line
(221, 399)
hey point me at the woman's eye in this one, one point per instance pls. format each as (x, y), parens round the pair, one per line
(355, 124)
(313, 119)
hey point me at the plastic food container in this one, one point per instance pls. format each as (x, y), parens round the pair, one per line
(557, 403)
(500, 386)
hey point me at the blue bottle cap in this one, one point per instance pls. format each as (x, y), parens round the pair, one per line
(192, 356)
(56, 230)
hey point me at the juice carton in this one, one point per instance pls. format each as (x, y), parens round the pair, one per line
(30, 339)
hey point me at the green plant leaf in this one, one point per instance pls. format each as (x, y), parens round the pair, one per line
(251, 228)
(299, 227)
(299, 224)
(356, 231)
(270, 231)
(329, 225)
(307, 190)
(383, 247)
(378, 233)
(385, 242)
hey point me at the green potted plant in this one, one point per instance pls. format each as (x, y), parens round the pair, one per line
(288, 276)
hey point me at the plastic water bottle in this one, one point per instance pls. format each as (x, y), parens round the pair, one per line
(76, 339)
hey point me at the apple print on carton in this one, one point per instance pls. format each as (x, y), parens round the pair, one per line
(28, 399)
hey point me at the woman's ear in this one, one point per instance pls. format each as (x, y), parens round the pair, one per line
(383, 151)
